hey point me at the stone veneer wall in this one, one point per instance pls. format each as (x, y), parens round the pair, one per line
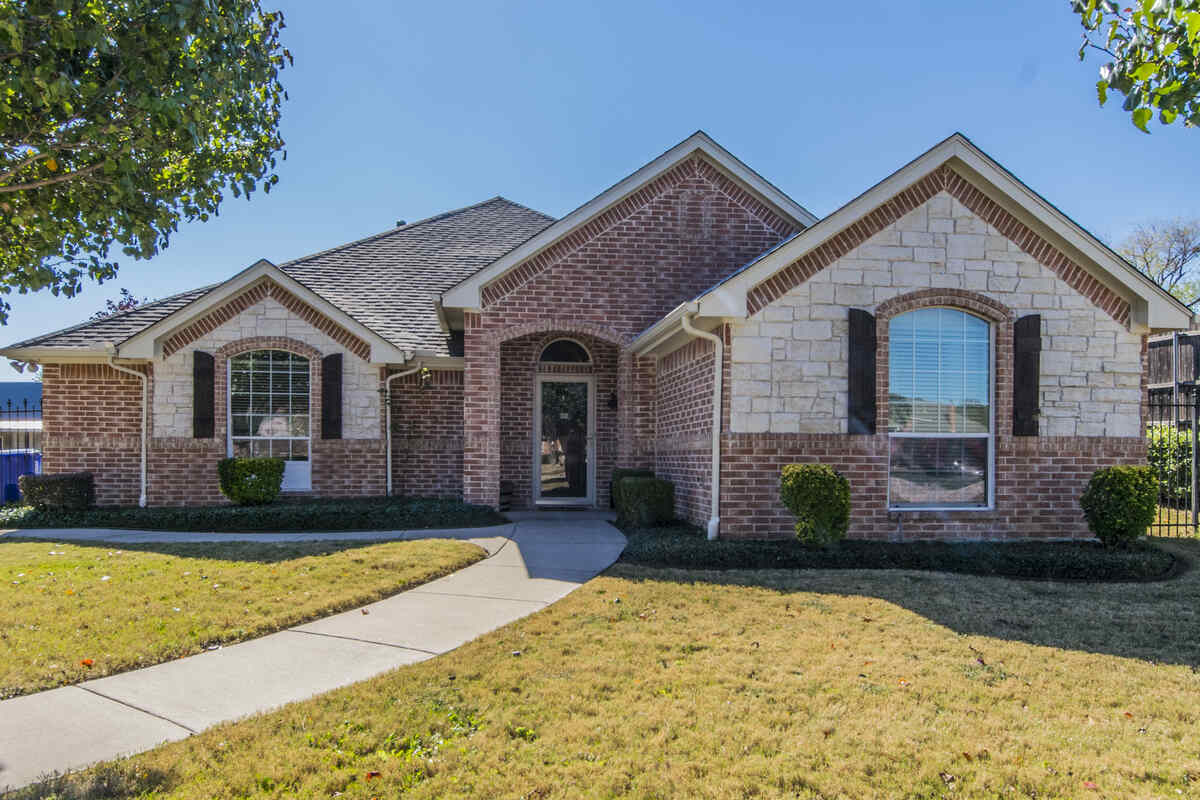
(788, 390)
(789, 360)
(267, 318)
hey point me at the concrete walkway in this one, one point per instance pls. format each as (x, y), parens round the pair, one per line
(531, 564)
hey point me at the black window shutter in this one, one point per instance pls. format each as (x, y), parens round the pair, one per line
(203, 389)
(1027, 369)
(860, 398)
(331, 396)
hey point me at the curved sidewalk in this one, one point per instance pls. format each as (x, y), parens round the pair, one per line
(530, 564)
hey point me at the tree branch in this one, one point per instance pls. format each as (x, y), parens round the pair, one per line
(79, 173)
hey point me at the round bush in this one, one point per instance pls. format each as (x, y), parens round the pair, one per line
(819, 497)
(250, 481)
(1120, 503)
(645, 502)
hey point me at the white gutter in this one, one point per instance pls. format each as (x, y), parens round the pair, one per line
(387, 400)
(714, 522)
(112, 362)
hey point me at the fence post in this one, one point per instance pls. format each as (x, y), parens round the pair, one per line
(1195, 487)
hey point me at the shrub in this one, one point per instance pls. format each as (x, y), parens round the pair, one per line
(624, 472)
(646, 501)
(1120, 503)
(68, 491)
(819, 497)
(250, 481)
(1169, 452)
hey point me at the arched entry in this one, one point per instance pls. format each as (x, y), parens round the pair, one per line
(564, 418)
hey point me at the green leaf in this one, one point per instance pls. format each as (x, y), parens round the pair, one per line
(1102, 91)
(1140, 117)
(1192, 20)
(1145, 71)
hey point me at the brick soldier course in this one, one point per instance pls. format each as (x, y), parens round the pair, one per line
(465, 303)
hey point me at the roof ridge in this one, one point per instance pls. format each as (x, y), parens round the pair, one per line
(89, 321)
(409, 226)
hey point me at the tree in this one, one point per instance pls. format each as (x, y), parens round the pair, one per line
(126, 302)
(118, 119)
(1167, 252)
(1155, 56)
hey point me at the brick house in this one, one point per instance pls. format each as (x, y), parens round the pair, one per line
(964, 352)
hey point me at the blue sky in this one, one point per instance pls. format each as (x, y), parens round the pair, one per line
(403, 110)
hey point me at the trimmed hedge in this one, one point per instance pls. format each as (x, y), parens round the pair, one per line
(620, 473)
(646, 501)
(1120, 503)
(250, 481)
(819, 497)
(370, 514)
(685, 547)
(71, 491)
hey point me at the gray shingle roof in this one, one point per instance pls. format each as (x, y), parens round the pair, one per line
(114, 329)
(387, 282)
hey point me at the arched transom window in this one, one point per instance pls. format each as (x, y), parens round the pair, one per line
(940, 410)
(269, 410)
(565, 351)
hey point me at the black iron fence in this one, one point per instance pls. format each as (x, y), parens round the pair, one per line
(20, 445)
(1170, 437)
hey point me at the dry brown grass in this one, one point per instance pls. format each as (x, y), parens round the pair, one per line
(127, 606)
(812, 684)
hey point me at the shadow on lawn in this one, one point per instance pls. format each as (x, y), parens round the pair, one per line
(1157, 622)
(260, 552)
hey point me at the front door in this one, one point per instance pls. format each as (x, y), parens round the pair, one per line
(563, 458)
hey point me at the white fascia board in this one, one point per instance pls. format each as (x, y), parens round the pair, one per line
(1151, 307)
(668, 334)
(58, 355)
(147, 344)
(467, 293)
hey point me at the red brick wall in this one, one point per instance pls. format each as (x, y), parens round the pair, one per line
(519, 368)
(427, 435)
(91, 421)
(1038, 484)
(611, 280)
(683, 451)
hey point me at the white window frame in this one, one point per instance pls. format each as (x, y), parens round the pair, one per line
(990, 435)
(297, 475)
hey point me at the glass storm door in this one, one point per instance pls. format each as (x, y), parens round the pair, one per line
(563, 459)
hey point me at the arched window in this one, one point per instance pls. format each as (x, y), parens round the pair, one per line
(940, 410)
(269, 411)
(565, 351)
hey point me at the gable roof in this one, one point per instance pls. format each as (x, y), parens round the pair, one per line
(742, 294)
(467, 294)
(385, 284)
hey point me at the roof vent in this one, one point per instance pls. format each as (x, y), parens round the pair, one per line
(400, 223)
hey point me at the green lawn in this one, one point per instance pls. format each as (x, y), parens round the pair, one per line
(367, 514)
(652, 683)
(69, 612)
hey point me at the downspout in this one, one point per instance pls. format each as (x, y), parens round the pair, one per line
(714, 522)
(112, 362)
(387, 400)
